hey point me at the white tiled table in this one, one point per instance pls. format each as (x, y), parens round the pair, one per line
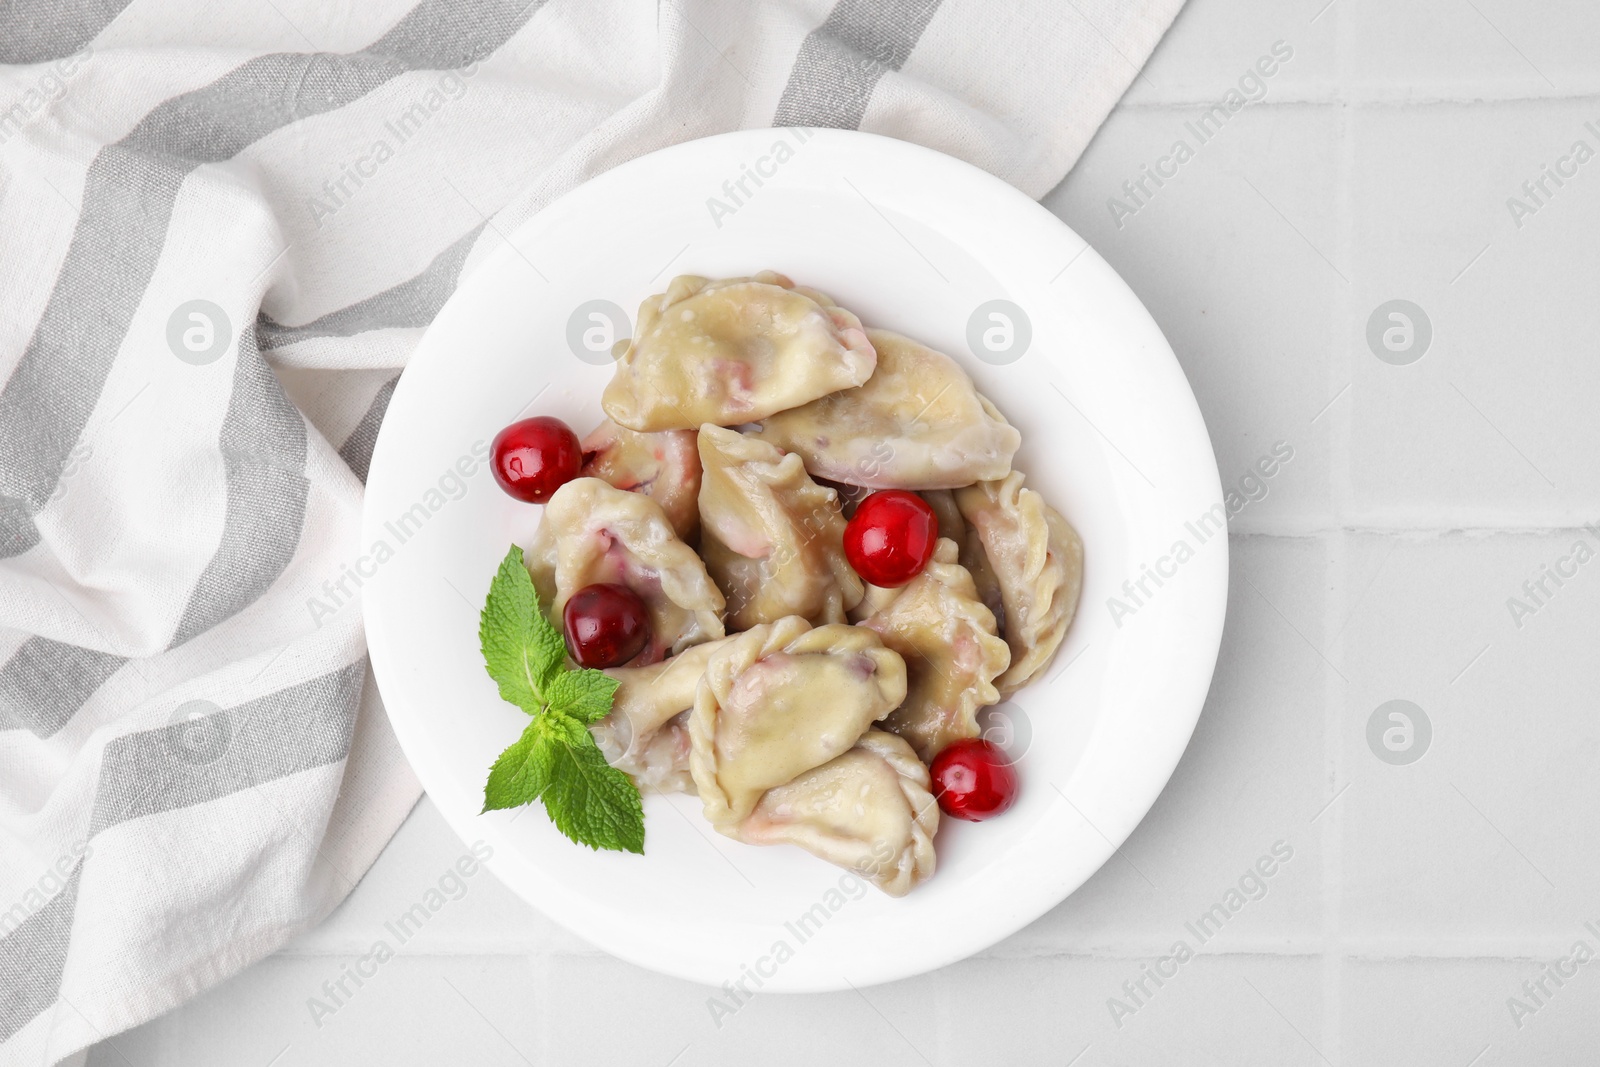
(1420, 897)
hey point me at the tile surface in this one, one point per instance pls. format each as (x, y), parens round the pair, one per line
(1432, 874)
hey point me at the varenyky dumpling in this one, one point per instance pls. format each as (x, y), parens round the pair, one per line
(734, 351)
(1032, 559)
(772, 538)
(777, 701)
(592, 532)
(918, 423)
(948, 640)
(943, 503)
(646, 734)
(953, 526)
(850, 496)
(868, 811)
(664, 466)
(971, 556)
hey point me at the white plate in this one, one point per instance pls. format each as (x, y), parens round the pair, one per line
(911, 240)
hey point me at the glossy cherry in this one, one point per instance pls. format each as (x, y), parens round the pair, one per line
(606, 625)
(535, 457)
(973, 780)
(891, 537)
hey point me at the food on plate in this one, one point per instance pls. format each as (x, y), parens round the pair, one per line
(771, 537)
(1023, 553)
(868, 811)
(733, 351)
(781, 699)
(973, 780)
(890, 537)
(664, 466)
(917, 423)
(646, 732)
(533, 458)
(789, 569)
(605, 625)
(850, 496)
(951, 524)
(592, 532)
(948, 639)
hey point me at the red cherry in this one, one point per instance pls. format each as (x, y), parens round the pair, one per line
(606, 625)
(535, 457)
(973, 780)
(891, 537)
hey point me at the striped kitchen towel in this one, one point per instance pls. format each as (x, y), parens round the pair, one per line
(223, 226)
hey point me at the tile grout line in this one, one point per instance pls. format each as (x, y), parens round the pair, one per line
(543, 981)
(1334, 606)
(1336, 563)
(1332, 819)
(1369, 949)
(949, 1011)
(1374, 100)
(1292, 530)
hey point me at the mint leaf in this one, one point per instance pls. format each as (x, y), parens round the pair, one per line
(526, 769)
(522, 772)
(556, 760)
(522, 650)
(560, 727)
(583, 694)
(592, 802)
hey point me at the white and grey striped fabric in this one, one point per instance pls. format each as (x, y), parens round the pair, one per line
(223, 226)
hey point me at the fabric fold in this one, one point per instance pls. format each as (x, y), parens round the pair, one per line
(179, 736)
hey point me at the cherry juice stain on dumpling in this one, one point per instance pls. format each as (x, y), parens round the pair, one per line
(664, 466)
(772, 537)
(646, 733)
(734, 351)
(781, 699)
(917, 423)
(869, 811)
(592, 532)
(949, 640)
(1027, 560)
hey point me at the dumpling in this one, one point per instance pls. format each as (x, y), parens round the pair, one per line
(734, 351)
(918, 423)
(943, 503)
(664, 466)
(850, 496)
(1032, 560)
(984, 580)
(777, 701)
(592, 532)
(953, 526)
(646, 733)
(868, 810)
(948, 640)
(772, 538)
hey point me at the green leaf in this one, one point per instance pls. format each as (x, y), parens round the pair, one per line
(522, 650)
(556, 760)
(522, 772)
(592, 802)
(565, 729)
(584, 694)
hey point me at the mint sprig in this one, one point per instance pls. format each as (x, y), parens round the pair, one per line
(556, 760)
